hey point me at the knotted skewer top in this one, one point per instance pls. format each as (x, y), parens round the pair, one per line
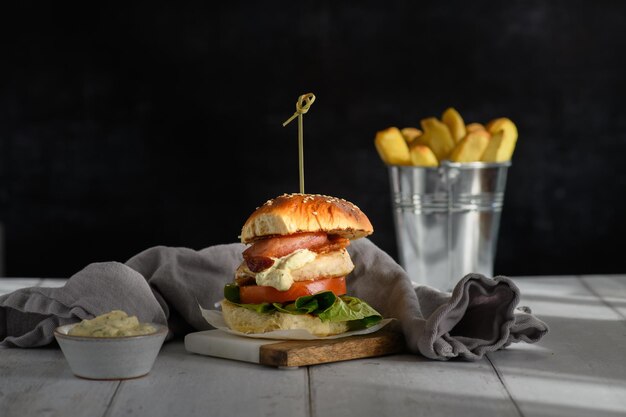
(302, 106)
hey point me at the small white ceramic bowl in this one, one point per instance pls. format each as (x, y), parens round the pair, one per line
(110, 357)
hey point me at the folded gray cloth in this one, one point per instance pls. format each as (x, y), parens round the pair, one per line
(165, 284)
(479, 316)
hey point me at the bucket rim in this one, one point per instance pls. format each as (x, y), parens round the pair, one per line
(458, 165)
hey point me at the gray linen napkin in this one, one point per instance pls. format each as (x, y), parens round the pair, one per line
(165, 284)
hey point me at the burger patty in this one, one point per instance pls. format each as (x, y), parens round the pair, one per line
(331, 264)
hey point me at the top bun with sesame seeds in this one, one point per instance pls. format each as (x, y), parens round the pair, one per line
(300, 213)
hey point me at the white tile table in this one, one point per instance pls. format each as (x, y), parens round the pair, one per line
(578, 369)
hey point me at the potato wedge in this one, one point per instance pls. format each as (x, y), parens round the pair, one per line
(422, 155)
(392, 147)
(471, 148)
(503, 139)
(437, 137)
(455, 123)
(410, 134)
(472, 127)
(502, 123)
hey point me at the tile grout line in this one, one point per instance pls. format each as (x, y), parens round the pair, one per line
(506, 388)
(107, 412)
(594, 292)
(308, 386)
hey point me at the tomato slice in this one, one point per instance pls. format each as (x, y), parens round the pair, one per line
(257, 294)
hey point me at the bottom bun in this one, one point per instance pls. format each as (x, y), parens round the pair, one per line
(248, 321)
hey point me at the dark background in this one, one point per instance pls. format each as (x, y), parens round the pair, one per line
(127, 127)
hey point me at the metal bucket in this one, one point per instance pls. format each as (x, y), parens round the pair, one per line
(447, 219)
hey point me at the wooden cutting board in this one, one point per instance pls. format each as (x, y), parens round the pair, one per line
(293, 353)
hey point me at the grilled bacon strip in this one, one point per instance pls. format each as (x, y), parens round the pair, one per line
(258, 255)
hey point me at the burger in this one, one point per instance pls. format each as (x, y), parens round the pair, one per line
(294, 269)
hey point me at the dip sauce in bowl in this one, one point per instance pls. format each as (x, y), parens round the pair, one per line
(113, 324)
(111, 346)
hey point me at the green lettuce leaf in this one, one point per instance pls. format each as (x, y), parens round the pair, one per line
(231, 293)
(325, 305)
(353, 310)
